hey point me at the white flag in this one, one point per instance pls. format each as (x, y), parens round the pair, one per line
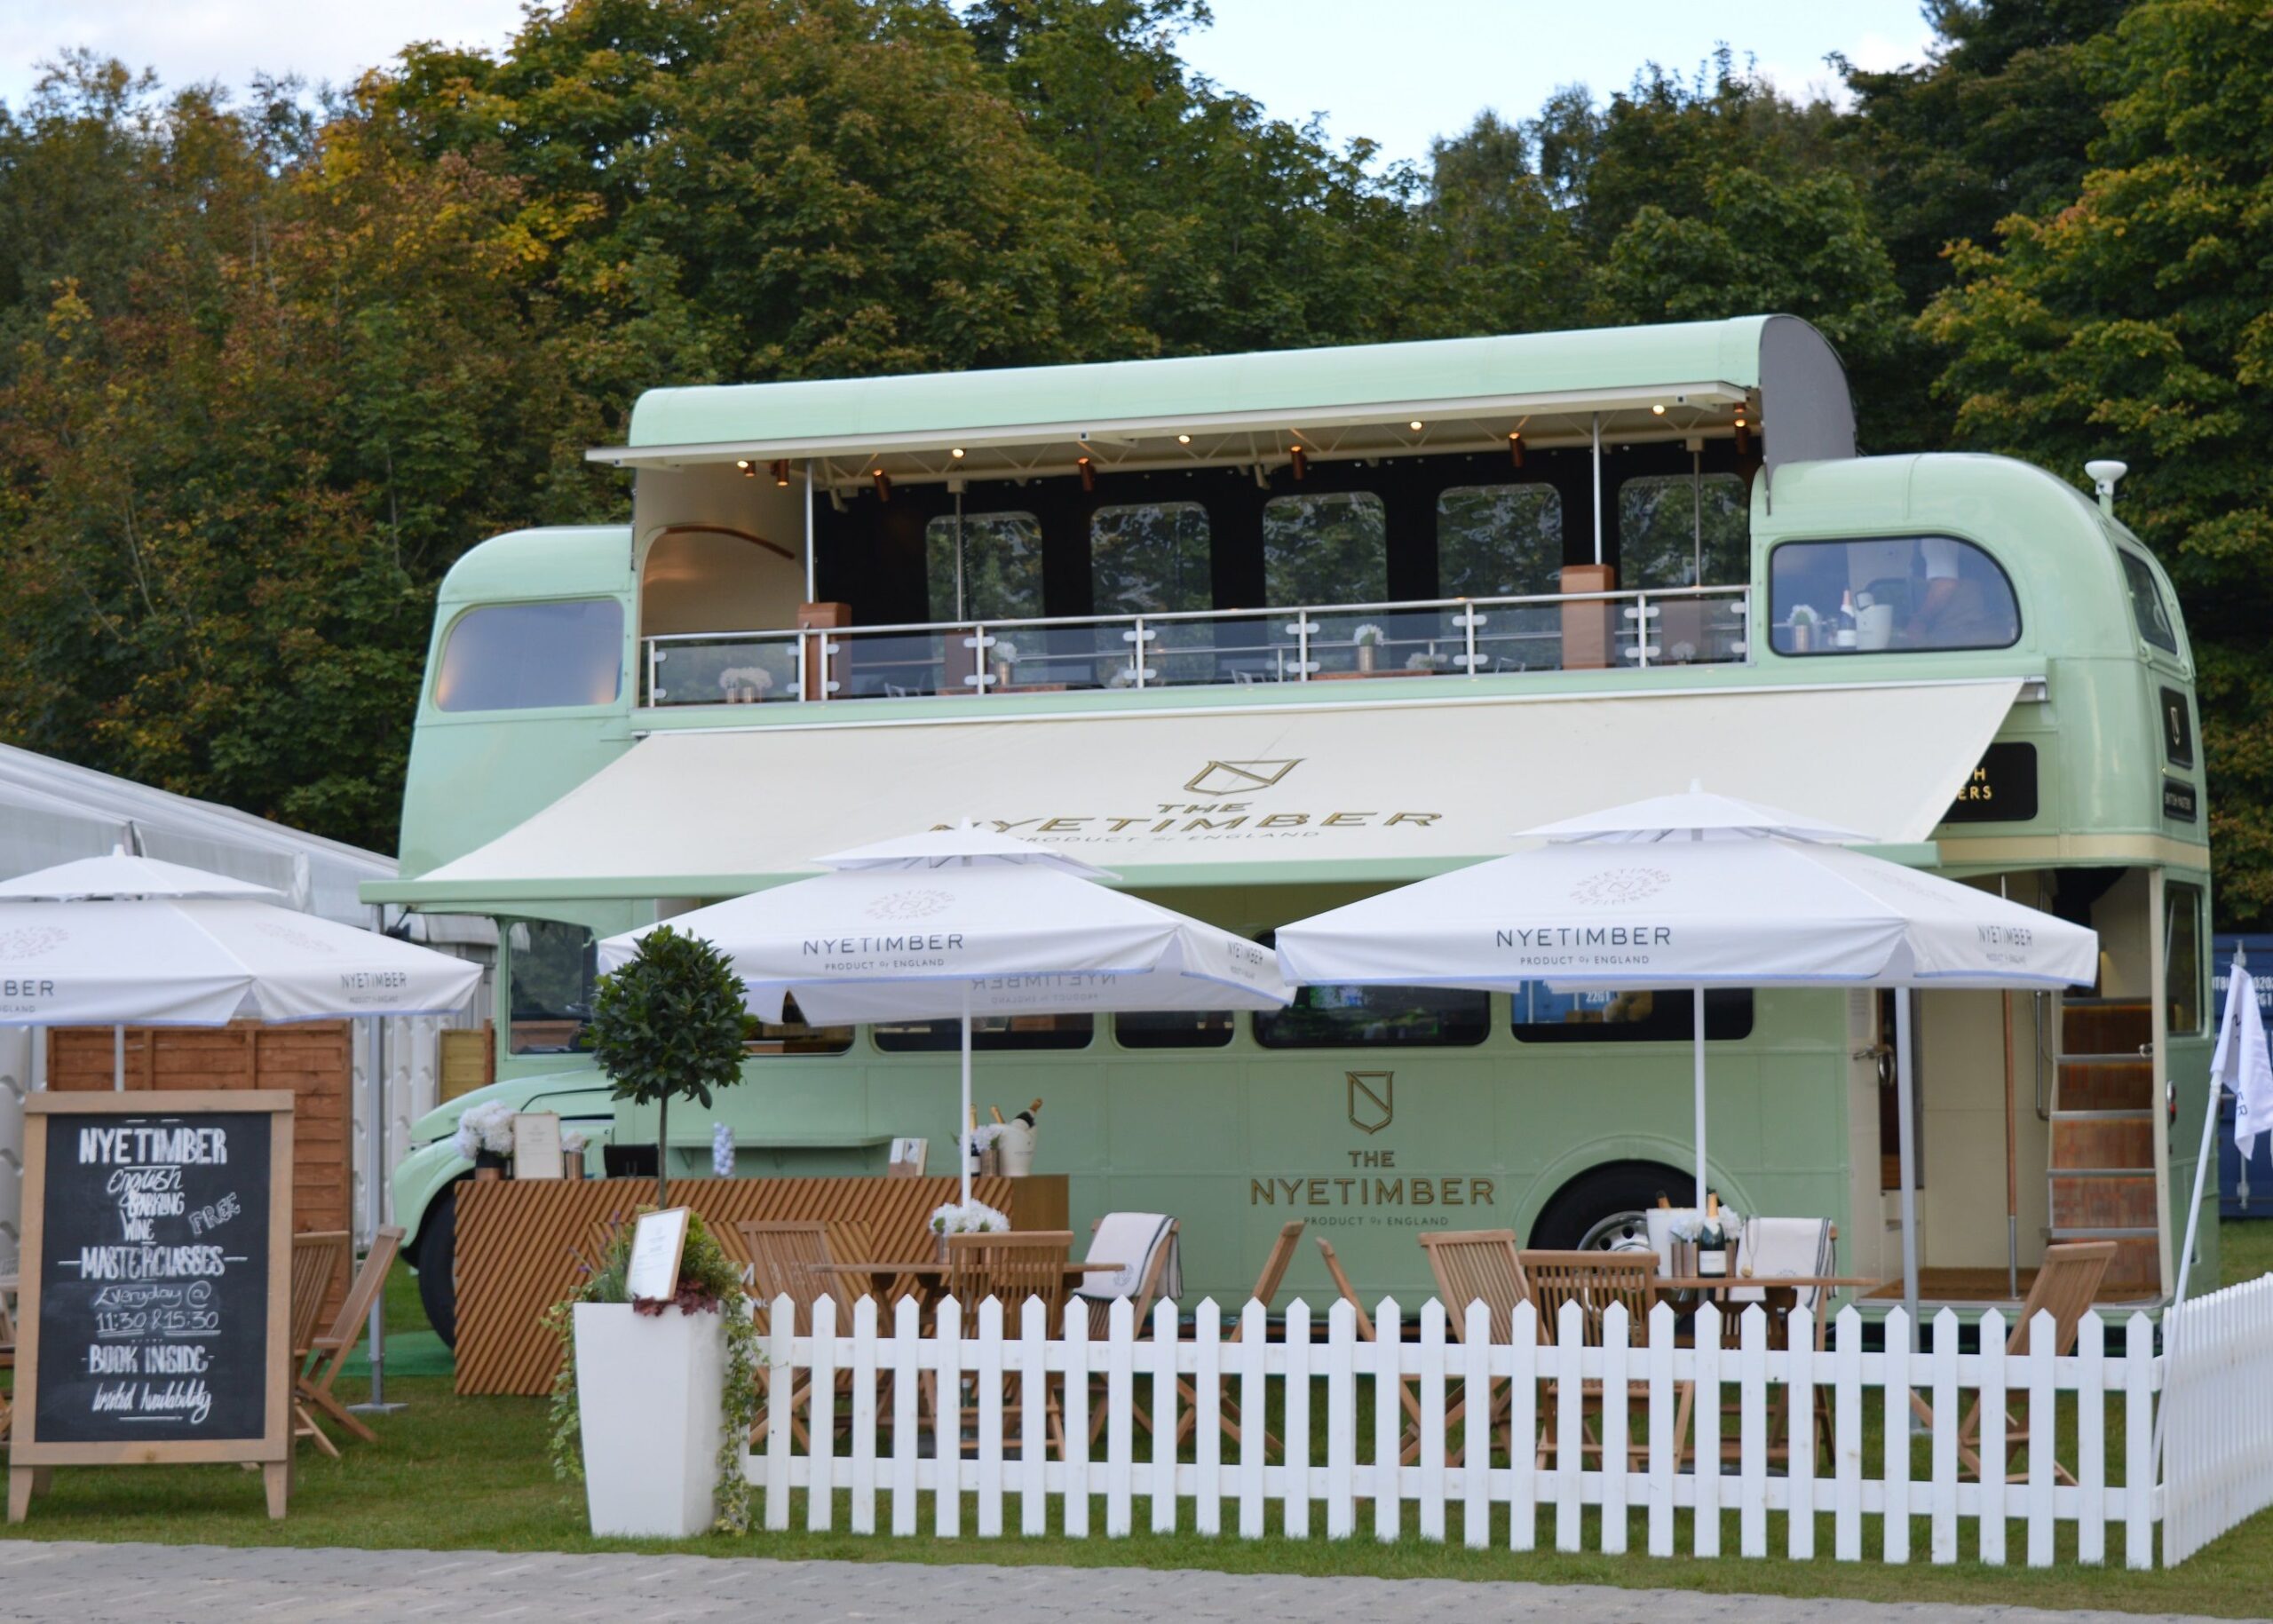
(2242, 1063)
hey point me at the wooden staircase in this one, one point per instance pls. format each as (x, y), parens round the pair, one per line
(2103, 1167)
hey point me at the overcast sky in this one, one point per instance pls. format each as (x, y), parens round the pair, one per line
(1399, 71)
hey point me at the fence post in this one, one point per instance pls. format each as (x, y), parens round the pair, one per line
(863, 1415)
(1799, 1435)
(907, 1388)
(1207, 1419)
(1663, 1446)
(1942, 1503)
(820, 1428)
(780, 1389)
(2043, 1434)
(1164, 1421)
(946, 1420)
(1847, 1435)
(1341, 1421)
(1476, 1426)
(1996, 1458)
(1898, 1367)
(1752, 1437)
(1120, 1427)
(1389, 1413)
(1077, 1419)
(1569, 1425)
(1705, 1529)
(987, 1377)
(1523, 1426)
(1295, 1508)
(1034, 1379)
(1255, 1413)
(2139, 1384)
(2091, 1440)
(1432, 1419)
(1615, 1398)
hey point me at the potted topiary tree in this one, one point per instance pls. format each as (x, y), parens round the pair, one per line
(668, 1022)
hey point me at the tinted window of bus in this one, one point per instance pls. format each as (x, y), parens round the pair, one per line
(530, 656)
(2147, 607)
(552, 969)
(1332, 548)
(988, 1032)
(1498, 541)
(2183, 955)
(793, 1034)
(1683, 530)
(1150, 559)
(995, 575)
(1662, 1015)
(1173, 1029)
(1376, 1018)
(1891, 593)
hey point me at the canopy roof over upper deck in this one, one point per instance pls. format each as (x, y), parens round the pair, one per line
(1376, 792)
(1632, 383)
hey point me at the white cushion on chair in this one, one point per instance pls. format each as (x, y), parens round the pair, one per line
(1129, 1239)
(1774, 1246)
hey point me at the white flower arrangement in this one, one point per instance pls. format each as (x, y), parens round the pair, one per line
(1003, 652)
(1689, 1227)
(1123, 677)
(983, 1137)
(486, 1128)
(1683, 652)
(1369, 635)
(1802, 616)
(574, 1144)
(1421, 659)
(753, 676)
(969, 1218)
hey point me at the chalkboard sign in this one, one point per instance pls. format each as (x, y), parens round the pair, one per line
(154, 1300)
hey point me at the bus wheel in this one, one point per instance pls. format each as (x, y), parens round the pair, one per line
(437, 1286)
(1601, 1209)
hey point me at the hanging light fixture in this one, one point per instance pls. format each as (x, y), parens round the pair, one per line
(1089, 473)
(781, 471)
(1516, 447)
(1301, 460)
(748, 468)
(883, 485)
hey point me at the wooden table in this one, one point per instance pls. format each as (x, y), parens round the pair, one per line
(931, 1279)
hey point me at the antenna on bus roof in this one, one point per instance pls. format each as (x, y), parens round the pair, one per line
(2104, 472)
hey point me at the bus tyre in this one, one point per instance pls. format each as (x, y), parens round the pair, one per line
(1601, 1209)
(437, 1286)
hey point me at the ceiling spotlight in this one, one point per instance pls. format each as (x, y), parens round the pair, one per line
(1183, 440)
(883, 486)
(748, 468)
(1515, 447)
(956, 454)
(1301, 461)
(1415, 426)
(1657, 410)
(1089, 473)
(781, 471)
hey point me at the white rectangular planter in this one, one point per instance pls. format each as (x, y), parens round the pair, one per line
(651, 1393)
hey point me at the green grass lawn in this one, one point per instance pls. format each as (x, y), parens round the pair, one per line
(470, 1473)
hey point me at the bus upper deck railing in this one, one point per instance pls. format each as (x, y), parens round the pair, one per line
(1472, 636)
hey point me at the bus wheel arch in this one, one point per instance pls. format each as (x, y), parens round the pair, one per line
(1596, 1208)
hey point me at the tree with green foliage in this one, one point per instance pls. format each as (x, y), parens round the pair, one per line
(2137, 322)
(669, 1024)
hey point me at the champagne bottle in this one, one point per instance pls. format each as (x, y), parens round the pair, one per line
(1026, 1116)
(1712, 1240)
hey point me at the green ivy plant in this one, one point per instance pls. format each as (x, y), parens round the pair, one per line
(710, 1282)
(668, 1023)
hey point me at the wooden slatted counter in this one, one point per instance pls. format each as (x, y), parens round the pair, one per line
(517, 1238)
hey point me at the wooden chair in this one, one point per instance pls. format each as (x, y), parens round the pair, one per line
(1410, 1451)
(313, 1380)
(317, 1257)
(1152, 1271)
(1594, 1280)
(2064, 1287)
(1479, 1265)
(1011, 1266)
(793, 1260)
(1275, 1265)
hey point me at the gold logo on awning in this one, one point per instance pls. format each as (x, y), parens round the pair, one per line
(1373, 1097)
(1240, 777)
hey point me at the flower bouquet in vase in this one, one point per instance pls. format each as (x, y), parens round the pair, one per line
(485, 1137)
(1368, 639)
(965, 1218)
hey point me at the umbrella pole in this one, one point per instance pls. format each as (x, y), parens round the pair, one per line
(1904, 1091)
(118, 1059)
(962, 1117)
(2012, 1165)
(1697, 1046)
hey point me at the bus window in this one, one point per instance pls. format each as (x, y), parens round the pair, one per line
(792, 1034)
(1150, 559)
(1498, 541)
(1377, 1018)
(1893, 592)
(1001, 577)
(1676, 530)
(993, 1032)
(1332, 548)
(527, 656)
(2182, 956)
(1662, 1015)
(2147, 602)
(1173, 1028)
(553, 967)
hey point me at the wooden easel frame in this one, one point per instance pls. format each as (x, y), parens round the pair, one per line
(30, 1462)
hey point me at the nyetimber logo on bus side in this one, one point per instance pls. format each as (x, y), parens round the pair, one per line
(1239, 777)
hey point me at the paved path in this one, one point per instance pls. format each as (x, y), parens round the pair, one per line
(189, 1584)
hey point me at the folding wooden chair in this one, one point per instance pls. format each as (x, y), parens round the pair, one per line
(312, 1379)
(1011, 1266)
(316, 1258)
(794, 1260)
(1266, 1287)
(1152, 1271)
(1479, 1265)
(1594, 1280)
(1410, 1450)
(2064, 1287)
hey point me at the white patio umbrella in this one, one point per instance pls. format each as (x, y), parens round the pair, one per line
(1695, 891)
(961, 922)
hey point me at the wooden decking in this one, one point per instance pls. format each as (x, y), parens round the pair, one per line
(1987, 1287)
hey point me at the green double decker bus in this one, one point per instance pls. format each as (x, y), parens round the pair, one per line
(1263, 633)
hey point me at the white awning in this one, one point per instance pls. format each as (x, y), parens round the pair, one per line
(1386, 791)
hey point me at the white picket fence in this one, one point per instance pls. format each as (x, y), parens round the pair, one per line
(2218, 1418)
(1301, 1382)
